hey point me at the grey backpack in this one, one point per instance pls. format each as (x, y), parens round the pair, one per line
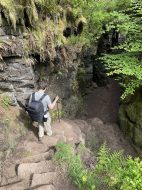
(35, 108)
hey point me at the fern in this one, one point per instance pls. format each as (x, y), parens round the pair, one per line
(40, 40)
(31, 11)
(8, 8)
(110, 166)
(113, 171)
(108, 161)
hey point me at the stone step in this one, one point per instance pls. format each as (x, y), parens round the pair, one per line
(43, 179)
(71, 131)
(36, 148)
(19, 185)
(46, 187)
(54, 139)
(25, 170)
(38, 157)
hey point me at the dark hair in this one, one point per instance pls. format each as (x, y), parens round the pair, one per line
(42, 85)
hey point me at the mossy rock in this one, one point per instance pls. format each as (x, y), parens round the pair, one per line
(138, 137)
(130, 120)
(134, 112)
(14, 123)
(72, 106)
(126, 126)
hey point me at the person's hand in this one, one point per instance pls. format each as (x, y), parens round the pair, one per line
(57, 98)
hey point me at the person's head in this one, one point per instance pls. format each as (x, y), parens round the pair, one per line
(43, 85)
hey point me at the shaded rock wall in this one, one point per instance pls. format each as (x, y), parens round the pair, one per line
(16, 78)
(62, 78)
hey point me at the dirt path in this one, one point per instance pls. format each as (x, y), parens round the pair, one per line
(102, 106)
(103, 102)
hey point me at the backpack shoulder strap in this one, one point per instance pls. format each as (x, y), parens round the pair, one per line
(42, 97)
(33, 97)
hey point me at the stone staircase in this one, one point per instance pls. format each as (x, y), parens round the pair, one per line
(32, 166)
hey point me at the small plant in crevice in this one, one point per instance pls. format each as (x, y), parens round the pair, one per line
(57, 114)
(27, 153)
(6, 101)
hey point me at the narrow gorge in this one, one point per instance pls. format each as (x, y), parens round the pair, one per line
(91, 58)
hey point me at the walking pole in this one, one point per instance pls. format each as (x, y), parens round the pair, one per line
(58, 111)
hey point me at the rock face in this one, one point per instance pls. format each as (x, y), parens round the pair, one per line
(130, 116)
(16, 78)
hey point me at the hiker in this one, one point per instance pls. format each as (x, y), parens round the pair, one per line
(38, 109)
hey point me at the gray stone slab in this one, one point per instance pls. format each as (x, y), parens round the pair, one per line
(46, 187)
(43, 179)
(26, 170)
(14, 186)
(36, 158)
(6, 86)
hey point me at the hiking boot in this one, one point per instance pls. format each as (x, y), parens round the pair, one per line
(48, 133)
(40, 140)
